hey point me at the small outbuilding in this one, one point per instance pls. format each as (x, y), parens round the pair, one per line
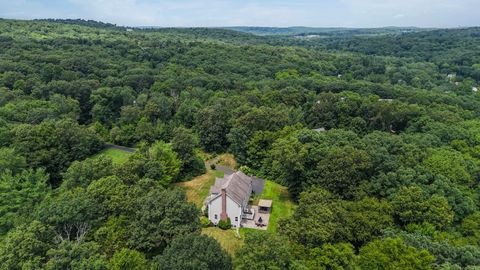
(264, 206)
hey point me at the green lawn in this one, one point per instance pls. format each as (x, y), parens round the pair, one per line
(197, 190)
(282, 205)
(117, 156)
(227, 239)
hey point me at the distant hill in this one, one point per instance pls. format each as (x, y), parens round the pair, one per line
(90, 23)
(323, 31)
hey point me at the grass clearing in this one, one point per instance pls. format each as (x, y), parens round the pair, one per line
(227, 239)
(227, 160)
(117, 156)
(198, 188)
(282, 205)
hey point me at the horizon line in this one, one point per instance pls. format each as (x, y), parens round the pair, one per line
(244, 26)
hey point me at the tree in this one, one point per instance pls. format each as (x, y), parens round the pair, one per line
(76, 255)
(107, 103)
(11, 161)
(192, 252)
(460, 168)
(112, 236)
(321, 218)
(256, 119)
(411, 205)
(158, 162)
(212, 127)
(367, 219)
(470, 227)
(110, 195)
(187, 111)
(445, 251)
(392, 253)
(331, 256)
(285, 162)
(82, 173)
(263, 251)
(19, 194)
(323, 113)
(54, 145)
(163, 154)
(184, 143)
(72, 213)
(342, 169)
(26, 246)
(127, 259)
(459, 197)
(158, 217)
(315, 221)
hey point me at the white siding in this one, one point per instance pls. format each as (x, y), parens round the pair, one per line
(215, 208)
(233, 211)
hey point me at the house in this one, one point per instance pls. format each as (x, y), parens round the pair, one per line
(229, 198)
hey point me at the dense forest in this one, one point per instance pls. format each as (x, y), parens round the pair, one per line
(376, 138)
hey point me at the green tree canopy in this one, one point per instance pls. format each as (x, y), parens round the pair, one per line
(192, 252)
(391, 253)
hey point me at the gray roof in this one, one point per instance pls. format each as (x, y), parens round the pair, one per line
(217, 187)
(238, 186)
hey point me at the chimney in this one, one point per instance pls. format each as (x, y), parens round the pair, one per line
(223, 215)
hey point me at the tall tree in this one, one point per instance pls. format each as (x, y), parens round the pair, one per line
(160, 216)
(192, 252)
(258, 252)
(391, 253)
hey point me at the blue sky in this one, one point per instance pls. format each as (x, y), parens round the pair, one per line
(322, 13)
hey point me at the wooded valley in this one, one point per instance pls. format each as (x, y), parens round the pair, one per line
(375, 135)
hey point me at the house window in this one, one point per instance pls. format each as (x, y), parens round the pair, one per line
(216, 217)
(236, 219)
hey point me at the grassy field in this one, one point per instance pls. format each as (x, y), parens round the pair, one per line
(197, 189)
(227, 239)
(282, 205)
(227, 160)
(117, 156)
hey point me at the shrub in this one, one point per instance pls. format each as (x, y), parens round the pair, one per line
(225, 224)
(205, 222)
(212, 166)
(246, 170)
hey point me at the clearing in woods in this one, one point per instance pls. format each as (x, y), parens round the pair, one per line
(197, 189)
(118, 156)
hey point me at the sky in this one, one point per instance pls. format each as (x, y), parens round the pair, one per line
(279, 13)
